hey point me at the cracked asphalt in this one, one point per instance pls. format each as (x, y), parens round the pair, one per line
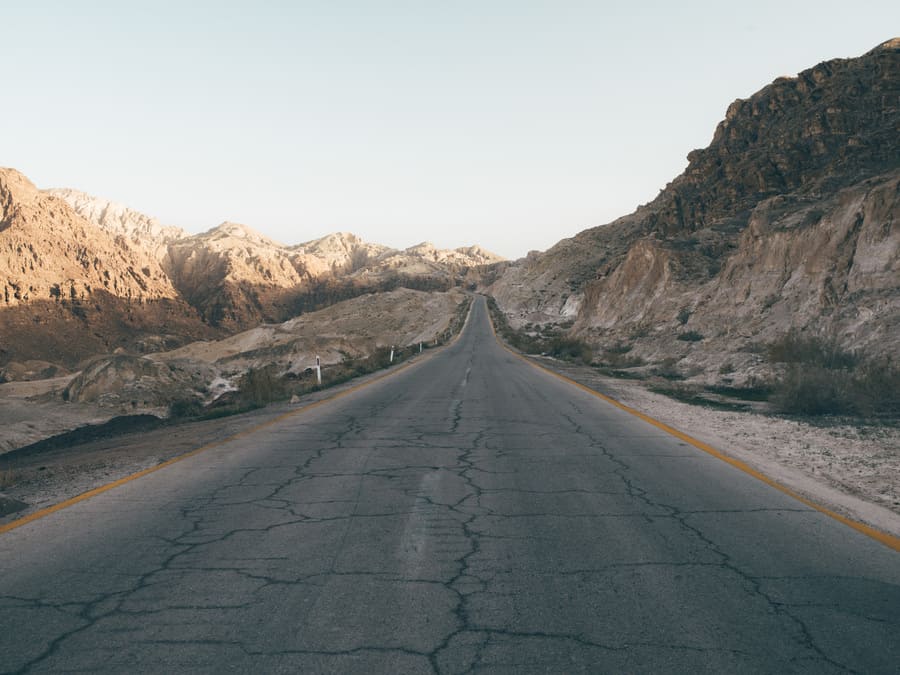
(468, 514)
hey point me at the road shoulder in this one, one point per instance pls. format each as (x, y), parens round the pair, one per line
(853, 471)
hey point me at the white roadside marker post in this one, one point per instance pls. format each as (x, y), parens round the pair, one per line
(392, 353)
(318, 370)
(420, 347)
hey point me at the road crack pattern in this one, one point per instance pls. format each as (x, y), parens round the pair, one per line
(470, 515)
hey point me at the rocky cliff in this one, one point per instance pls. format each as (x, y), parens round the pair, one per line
(70, 288)
(787, 220)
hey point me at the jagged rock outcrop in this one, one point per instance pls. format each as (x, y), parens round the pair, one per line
(49, 252)
(787, 220)
(142, 231)
(235, 276)
(132, 383)
(339, 253)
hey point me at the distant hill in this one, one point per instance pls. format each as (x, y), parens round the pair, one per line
(81, 275)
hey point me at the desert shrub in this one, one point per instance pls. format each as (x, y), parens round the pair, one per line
(185, 407)
(750, 392)
(814, 391)
(870, 389)
(793, 347)
(569, 348)
(690, 336)
(683, 315)
(639, 331)
(668, 369)
(726, 368)
(822, 378)
(259, 386)
(619, 348)
(8, 478)
(617, 356)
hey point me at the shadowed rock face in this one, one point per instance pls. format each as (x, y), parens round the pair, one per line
(70, 288)
(788, 219)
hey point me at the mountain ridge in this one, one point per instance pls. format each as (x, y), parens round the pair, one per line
(100, 276)
(777, 182)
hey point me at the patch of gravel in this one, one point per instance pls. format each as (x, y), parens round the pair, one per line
(853, 470)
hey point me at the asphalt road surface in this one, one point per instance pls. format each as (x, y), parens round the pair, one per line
(469, 513)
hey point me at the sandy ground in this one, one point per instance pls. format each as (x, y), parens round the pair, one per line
(853, 470)
(25, 418)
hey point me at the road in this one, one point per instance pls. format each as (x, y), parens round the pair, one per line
(468, 513)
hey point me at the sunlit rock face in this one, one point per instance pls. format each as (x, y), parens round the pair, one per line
(787, 220)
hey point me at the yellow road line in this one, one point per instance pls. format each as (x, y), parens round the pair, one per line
(888, 540)
(140, 474)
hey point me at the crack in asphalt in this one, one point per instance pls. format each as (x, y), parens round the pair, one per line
(447, 485)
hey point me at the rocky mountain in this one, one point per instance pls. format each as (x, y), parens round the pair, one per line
(70, 288)
(236, 277)
(787, 220)
(341, 252)
(82, 276)
(142, 231)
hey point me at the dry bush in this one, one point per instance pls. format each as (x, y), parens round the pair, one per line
(822, 378)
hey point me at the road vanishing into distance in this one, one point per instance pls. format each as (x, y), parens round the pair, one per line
(469, 513)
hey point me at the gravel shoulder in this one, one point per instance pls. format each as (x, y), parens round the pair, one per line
(852, 470)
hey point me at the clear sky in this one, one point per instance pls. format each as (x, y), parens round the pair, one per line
(510, 124)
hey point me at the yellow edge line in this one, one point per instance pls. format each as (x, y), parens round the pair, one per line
(888, 540)
(140, 474)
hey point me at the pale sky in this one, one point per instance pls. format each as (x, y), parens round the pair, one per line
(510, 124)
